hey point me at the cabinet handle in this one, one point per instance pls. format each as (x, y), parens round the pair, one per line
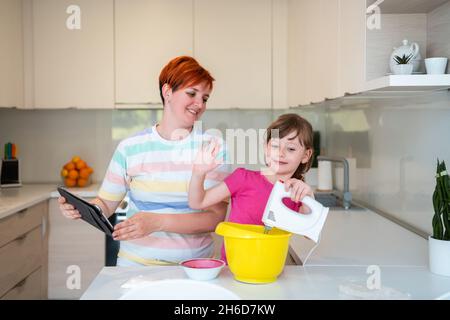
(20, 284)
(23, 211)
(44, 226)
(22, 237)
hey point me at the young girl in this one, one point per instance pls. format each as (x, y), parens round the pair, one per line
(288, 156)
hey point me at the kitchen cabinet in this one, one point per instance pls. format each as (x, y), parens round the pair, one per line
(313, 56)
(148, 34)
(326, 40)
(76, 254)
(23, 253)
(232, 39)
(11, 54)
(73, 49)
(352, 47)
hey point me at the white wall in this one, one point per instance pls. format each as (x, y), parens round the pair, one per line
(438, 32)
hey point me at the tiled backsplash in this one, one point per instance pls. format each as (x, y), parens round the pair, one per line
(47, 139)
(396, 142)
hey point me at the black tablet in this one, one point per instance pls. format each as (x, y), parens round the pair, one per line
(90, 213)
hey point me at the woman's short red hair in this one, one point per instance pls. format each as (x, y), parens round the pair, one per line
(182, 72)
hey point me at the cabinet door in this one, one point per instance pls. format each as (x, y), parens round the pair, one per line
(75, 248)
(11, 54)
(313, 51)
(352, 45)
(232, 39)
(148, 34)
(73, 67)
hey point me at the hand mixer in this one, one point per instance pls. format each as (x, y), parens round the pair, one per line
(276, 214)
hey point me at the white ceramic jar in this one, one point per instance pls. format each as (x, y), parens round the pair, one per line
(407, 49)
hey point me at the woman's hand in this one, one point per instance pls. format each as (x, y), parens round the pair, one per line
(205, 161)
(67, 209)
(299, 189)
(139, 225)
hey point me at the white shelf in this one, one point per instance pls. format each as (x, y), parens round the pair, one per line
(408, 83)
(407, 6)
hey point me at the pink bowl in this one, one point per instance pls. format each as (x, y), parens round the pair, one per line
(203, 263)
(202, 269)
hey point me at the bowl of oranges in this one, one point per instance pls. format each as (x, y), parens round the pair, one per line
(76, 173)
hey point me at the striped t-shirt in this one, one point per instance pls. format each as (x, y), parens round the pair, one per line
(155, 173)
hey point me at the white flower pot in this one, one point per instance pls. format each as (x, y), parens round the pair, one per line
(403, 68)
(439, 256)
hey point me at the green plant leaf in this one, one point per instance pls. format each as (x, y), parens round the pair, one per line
(404, 59)
(437, 223)
(441, 203)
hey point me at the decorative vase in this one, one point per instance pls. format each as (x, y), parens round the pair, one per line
(407, 49)
(439, 256)
(403, 68)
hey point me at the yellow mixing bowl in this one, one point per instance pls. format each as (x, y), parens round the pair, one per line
(254, 257)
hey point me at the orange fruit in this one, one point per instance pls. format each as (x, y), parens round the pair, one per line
(69, 166)
(90, 169)
(64, 172)
(85, 173)
(82, 182)
(76, 159)
(70, 182)
(73, 174)
(80, 164)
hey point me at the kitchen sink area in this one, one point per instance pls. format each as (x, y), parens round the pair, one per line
(334, 201)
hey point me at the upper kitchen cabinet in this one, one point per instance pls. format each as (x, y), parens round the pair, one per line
(232, 39)
(73, 49)
(352, 46)
(326, 41)
(11, 54)
(313, 51)
(148, 34)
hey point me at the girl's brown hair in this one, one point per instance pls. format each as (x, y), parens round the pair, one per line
(182, 72)
(291, 122)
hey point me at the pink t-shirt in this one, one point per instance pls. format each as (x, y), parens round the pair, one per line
(250, 191)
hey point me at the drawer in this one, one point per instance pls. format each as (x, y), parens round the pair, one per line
(29, 288)
(22, 222)
(19, 258)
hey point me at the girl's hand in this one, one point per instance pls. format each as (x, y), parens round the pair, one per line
(138, 226)
(67, 209)
(299, 189)
(205, 161)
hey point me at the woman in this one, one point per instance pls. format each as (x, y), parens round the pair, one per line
(154, 167)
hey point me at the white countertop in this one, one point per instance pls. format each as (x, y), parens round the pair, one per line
(362, 237)
(15, 199)
(296, 282)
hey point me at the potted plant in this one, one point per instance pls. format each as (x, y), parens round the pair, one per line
(403, 66)
(439, 243)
